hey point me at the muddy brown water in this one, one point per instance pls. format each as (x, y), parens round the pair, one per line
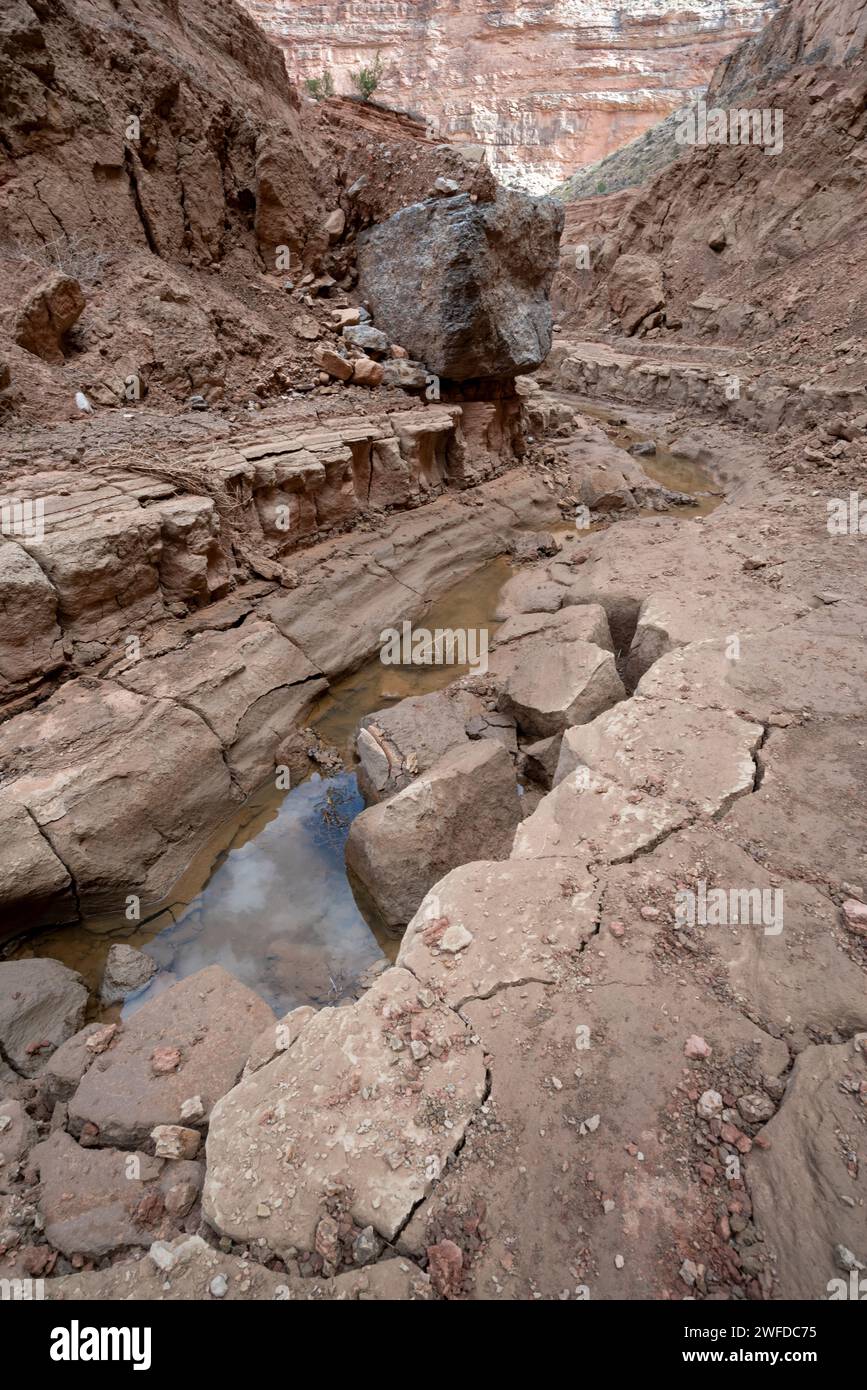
(268, 897)
(472, 603)
(678, 474)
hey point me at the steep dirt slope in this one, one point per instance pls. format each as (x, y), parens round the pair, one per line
(738, 245)
(153, 126)
(815, 33)
(145, 147)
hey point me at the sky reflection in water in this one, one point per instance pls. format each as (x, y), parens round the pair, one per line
(278, 912)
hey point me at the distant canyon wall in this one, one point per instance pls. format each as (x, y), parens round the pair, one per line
(546, 85)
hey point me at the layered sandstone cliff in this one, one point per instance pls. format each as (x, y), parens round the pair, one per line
(547, 85)
(729, 243)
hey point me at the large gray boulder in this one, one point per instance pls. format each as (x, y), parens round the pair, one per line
(466, 807)
(464, 286)
(546, 686)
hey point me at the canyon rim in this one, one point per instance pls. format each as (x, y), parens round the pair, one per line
(544, 87)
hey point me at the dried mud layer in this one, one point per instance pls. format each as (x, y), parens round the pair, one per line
(660, 1091)
(569, 1085)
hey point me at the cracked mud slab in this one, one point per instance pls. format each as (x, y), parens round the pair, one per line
(586, 1149)
(787, 670)
(667, 621)
(189, 1269)
(489, 925)
(596, 819)
(668, 748)
(370, 1100)
(94, 1201)
(807, 817)
(806, 981)
(210, 1020)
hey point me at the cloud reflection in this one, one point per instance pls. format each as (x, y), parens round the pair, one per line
(278, 913)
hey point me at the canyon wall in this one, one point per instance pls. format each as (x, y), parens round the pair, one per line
(724, 248)
(546, 85)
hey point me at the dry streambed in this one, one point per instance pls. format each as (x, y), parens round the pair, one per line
(632, 1063)
(557, 1090)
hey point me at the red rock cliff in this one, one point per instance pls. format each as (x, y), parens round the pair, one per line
(548, 85)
